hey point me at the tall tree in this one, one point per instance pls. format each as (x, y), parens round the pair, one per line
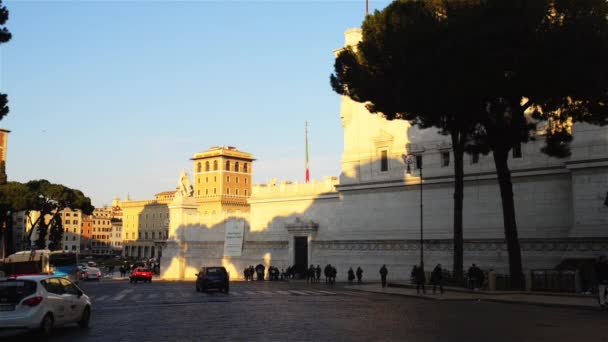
(401, 71)
(14, 197)
(516, 63)
(5, 36)
(50, 200)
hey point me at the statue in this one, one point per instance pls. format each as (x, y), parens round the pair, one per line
(184, 187)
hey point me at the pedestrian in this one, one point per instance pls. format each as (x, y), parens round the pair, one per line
(327, 273)
(318, 273)
(437, 278)
(351, 275)
(383, 274)
(472, 274)
(359, 274)
(332, 275)
(601, 273)
(420, 280)
(310, 274)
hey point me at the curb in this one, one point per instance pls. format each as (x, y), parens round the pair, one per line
(481, 298)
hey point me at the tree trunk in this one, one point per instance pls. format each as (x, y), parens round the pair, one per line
(9, 235)
(458, 148)
(508, 211)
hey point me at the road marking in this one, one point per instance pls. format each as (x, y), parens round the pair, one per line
(298, 293)
(186, 294)
(234, 293)
(101, 298)
(137, 296)
(122, 294)
(327, 292)
(169, 294)
(310, 292)
(152, 295)
(265, 292)
(284, 292)
(250, 292)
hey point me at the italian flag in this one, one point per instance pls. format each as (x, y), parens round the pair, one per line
(307, 169)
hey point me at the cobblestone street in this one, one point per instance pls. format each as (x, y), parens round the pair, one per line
(296, 311)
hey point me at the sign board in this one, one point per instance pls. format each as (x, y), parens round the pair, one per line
(235, 233)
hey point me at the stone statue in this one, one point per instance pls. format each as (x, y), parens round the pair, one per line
(184, 187)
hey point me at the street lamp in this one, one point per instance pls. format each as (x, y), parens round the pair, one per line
(417, 160)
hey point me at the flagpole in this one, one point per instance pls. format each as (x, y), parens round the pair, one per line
(307, 175)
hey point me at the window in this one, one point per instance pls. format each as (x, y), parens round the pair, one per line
(207, 166)
(245, 167)
(215, 165)
(383, 160)
(206, 191)
(236, 167)
(237, 180)
(227, 191)
(214, 191)
(517, 151)
(227, 179)
(245, 192)
(198, 192)
(227, 165)
(146, 235)
(153, 235)
(67, 214)
(245, 180)
(236, 192)
(66, 238)
(199, 167)
(206, 179)
(73, 238)
(475, 158)
(445, 159)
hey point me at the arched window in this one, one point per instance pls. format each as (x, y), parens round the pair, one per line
(198, 167)
(227, 165)
(215, 165)
(236, 167)
(245, 167)
(206, 166)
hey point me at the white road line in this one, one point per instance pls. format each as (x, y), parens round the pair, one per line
(101, 298)
(250, 292)
(152, 295)
(265, 292)
(122, 294)
(298, 292)
(311, 292)
(327, 292)
(186, 294)
(284, 292)
(234, 293)
(137, 296)
(169, 294)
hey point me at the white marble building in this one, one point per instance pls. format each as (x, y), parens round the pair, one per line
(370, 215)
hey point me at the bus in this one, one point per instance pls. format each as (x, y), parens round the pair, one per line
(64, 264)
(34, 261)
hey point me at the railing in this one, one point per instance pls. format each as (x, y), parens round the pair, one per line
(553, 281)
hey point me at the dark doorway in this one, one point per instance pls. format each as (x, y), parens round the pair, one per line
(301, 255)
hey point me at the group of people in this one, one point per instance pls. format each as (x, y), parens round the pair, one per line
(313, 274)
(351, 275)
(418, 277)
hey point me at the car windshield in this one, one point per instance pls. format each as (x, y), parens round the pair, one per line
(215, 271)
(12, 291)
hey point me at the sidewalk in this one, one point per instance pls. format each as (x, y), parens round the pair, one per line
(543, 299)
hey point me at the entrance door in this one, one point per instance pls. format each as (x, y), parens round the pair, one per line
(301, 254)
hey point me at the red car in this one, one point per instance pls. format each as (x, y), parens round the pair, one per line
(140, 273)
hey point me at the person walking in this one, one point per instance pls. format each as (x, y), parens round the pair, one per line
(351, 275)
(601, 273)
(420, 280)
(437, 279)
(472, 274)
(359, 274)
(318, 273)
(383, 274)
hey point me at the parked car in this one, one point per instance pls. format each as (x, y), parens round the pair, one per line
(89, 273)
(140, 273)
(212, 278)
(42, 302)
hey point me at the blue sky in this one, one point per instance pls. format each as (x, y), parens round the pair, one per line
(114, 97)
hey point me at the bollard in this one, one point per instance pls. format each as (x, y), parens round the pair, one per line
(492, 280)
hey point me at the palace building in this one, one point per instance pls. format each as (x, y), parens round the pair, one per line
(371, 214)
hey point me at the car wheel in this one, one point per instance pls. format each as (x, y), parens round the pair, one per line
(226, 289)
(86, 317)
(46, 326)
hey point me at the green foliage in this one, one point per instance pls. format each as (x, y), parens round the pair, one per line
(5, 36)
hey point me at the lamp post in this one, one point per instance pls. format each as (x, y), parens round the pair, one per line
(417, 160)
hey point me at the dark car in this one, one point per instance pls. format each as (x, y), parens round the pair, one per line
(212, 278)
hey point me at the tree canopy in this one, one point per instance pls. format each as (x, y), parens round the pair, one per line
(492, 69)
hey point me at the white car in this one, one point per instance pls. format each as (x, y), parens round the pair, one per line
(42, 302)
(90, 273)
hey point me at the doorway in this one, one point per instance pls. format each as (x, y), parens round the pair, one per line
(301, 255)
